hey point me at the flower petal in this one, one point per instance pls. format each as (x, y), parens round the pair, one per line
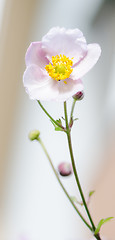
(36, 55)
(88, 62)
(69, 42)
(38, 84)
(67, 90)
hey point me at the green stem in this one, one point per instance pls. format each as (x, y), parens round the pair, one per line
(74, 168)
(56, 174)
(72, 109)
(59, 125)
(97, 236)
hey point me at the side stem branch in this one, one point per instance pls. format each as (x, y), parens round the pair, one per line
(56, 174)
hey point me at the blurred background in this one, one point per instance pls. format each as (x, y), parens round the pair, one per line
(32, 205)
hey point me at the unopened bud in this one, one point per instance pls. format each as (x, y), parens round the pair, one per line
(79, 95)
(34, 135)
(65, 169)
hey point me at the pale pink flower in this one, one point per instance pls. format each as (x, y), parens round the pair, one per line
(55, 65)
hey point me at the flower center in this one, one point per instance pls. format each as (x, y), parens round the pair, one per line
(61, 67)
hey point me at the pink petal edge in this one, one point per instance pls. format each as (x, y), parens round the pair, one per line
(36, 55)
(93, 54)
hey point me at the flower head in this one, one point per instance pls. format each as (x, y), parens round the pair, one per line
(55, 65)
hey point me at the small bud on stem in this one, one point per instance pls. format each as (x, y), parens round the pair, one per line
(65, 169)
(34, 135)
(78, 96)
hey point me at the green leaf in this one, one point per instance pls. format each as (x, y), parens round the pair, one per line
(91, 193)
(57, 128)
(59, 121)
(75, 119)
(101, 222)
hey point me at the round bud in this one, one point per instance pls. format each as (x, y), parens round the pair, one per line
(34, 135)
(79, 95)
(65, 169)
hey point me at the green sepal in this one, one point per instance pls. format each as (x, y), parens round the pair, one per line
(57, 128)
(101, 222)
(91, 193)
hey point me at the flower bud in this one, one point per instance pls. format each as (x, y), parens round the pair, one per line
(79, 95)
(65, 169)
(33, 135)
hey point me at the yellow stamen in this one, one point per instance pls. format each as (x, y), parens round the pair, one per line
(60, 69)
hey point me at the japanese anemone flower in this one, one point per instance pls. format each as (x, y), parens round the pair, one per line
(55, 65)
